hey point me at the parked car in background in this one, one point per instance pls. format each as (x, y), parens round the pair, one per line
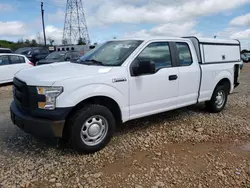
(244, 57)
(82, 49)
(5, 50)
(248, 55)
(59, 57)
(34, 54)
(10, 64)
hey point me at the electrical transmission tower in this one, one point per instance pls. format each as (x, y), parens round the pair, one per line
(75, 27)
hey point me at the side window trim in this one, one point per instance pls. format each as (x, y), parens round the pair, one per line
(174, 54)
(177, 54)
(173, 57)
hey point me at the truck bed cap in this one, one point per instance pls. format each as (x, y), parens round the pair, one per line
(216, 41)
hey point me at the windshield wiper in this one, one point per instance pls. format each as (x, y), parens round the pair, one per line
(94, 62)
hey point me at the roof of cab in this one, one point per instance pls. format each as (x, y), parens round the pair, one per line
(1, 54)
(148, 38)
(5, 49)
(200, 39)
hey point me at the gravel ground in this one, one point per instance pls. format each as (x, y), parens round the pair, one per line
(187, 147)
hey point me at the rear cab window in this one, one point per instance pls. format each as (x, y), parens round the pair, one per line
(16, 59)
(184, 54)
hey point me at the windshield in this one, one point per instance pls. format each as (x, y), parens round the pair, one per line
(55, 55)
(24, 51)
(111, 53)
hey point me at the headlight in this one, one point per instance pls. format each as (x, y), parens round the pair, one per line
(50, 93)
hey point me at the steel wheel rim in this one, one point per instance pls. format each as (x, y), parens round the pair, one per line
(94, 130)
(220, 99)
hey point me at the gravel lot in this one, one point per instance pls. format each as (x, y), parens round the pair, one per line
(187, 147)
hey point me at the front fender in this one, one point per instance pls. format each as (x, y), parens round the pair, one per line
(72, 98)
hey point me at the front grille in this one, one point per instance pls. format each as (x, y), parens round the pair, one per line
(21, 94)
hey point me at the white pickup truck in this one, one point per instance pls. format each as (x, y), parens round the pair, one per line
(122, 80)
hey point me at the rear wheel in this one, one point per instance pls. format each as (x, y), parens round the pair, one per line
(91, 128)
(218, 100)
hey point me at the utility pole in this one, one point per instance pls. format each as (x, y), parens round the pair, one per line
(42, 11)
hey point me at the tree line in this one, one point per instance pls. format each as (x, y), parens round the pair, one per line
(33, 43)
(18, 44)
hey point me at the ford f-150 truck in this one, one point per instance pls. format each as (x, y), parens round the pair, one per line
(122, 80)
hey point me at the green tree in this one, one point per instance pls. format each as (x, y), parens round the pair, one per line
(33, 42)
(27, 41)
(20, 41)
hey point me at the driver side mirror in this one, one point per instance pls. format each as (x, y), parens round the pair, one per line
(141, 67)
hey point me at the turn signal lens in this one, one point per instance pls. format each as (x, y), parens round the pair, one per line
(40, 90)
(41, 105)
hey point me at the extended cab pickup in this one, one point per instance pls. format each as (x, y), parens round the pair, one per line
(122, 80)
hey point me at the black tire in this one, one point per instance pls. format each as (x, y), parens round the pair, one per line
(211, 105)
(76, 123)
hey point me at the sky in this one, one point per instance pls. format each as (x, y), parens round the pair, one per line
(106, 19)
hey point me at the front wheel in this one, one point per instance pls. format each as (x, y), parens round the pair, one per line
(91, 128)
(218, 100)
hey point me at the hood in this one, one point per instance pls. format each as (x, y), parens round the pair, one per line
(47, 75)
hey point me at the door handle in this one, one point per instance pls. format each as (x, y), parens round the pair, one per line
(173, 77)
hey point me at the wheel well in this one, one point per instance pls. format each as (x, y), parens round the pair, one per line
(226, 83)
(101, 100)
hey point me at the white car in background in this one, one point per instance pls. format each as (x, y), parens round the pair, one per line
(10, 64)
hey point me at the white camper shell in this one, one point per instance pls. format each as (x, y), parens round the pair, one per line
(216, 50)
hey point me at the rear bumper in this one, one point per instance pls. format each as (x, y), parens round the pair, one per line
(36, 126)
